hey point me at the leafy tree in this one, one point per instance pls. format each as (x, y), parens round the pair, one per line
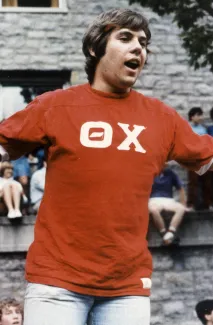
(195, 20)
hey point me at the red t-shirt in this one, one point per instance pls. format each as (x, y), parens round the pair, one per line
(103, 153)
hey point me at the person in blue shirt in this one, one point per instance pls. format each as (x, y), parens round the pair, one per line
(161, 198)
(210, 127)
(200, 189)
(195, 116)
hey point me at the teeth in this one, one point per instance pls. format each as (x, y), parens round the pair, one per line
(134, 61)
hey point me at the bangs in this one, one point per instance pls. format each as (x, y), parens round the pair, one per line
(128, 19)
(134, 22)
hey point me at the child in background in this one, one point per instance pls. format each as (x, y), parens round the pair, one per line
(11, 191)
(11, 312)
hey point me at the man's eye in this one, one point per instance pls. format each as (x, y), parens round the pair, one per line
(124, 39)
(143, 44)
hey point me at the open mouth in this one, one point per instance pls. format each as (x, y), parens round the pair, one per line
(132, 64)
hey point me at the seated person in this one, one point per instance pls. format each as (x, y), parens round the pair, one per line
(22, 172)
(200, 191)
(11, 312)
(37, 184)
(162, 199)
(39, 153)
(204, 310)
(33, 163)
(11, 191)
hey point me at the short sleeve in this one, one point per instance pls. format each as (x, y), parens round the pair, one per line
(25, 130)
(188, 148)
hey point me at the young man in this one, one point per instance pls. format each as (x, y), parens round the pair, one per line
(11, 312)
(199, 188)
(204, 310)
(161, 198)
(89, 260)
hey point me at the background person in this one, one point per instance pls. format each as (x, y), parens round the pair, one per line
(11, 312)
(210, 127)
(22, 172)
(204, 310)
(161, 199)
(37, 185)
(11, 191)
(200, 189)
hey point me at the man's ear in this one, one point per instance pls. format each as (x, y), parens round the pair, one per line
(92, 53)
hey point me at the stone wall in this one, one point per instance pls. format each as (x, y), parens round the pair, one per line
(12, 283)
(53, 41)
(182, 276)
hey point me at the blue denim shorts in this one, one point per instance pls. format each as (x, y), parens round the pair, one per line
(48, 305)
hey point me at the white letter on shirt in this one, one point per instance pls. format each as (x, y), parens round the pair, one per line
(105, 136)
(131, 137)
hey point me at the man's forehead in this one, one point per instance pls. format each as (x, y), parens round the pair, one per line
(138, 33)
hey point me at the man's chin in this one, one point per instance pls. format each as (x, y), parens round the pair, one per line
(128, 82)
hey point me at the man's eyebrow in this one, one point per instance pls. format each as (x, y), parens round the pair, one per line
(126, 32)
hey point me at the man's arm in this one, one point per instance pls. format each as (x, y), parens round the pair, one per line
(24, 131)
(211, 166)
(205, 168)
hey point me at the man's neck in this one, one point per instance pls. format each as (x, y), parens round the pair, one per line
(106, 88)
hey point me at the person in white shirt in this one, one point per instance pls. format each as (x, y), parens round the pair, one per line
(37, 185)
(11, 191)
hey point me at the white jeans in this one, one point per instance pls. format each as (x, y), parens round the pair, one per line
(48, 305)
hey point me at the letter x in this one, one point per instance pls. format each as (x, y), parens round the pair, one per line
(131, 137)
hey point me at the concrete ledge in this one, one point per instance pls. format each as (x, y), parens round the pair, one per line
(196, 230)
(16, 235)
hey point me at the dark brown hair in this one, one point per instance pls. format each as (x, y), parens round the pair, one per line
(97, 35)
(204, 307)
(194, 111)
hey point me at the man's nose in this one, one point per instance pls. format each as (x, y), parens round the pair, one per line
(136, 48)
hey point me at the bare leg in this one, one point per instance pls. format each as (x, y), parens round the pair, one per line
(25, 184)
(7, 195)
(157, 218)
(179, 211)
(16, 195)
(177, 217)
